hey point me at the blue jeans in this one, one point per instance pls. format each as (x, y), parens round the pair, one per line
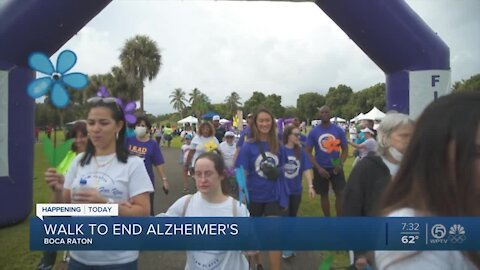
(76, 265)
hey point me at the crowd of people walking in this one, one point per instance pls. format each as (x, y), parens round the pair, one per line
(401, 168)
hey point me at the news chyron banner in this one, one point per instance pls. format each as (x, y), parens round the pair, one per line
(107, 231)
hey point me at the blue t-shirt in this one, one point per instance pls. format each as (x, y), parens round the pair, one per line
(294, 169)
(149, 151)
(303, 140)
(260, 189)
(327, 143)
(243, 136)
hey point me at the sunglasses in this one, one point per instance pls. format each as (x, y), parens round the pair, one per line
(94, 100)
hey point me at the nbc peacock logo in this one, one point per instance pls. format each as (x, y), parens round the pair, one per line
(456, 234)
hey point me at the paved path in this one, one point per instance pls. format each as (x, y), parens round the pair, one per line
(176, 260)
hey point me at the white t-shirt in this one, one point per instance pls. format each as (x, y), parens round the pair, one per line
(205, 259)
(201, 145)
(116, 180)
(438, 260)
(185, 149)
(228, 151)
(370, 146)
(392, 167)
(353, 133)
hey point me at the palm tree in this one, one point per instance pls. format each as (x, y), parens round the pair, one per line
(198, 102)
(232, 102)
(178, 99)
(141, 60)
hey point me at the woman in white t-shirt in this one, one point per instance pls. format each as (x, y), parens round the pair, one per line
(439, 176)
(210, 201)
(204, 141)
(105, 173)
(368, 146)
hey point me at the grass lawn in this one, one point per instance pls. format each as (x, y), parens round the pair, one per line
(14, 240)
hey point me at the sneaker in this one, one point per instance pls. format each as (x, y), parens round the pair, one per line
(288, 254)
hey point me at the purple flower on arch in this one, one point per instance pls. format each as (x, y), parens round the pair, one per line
(57, 78)
(128, 109)
(103, 92)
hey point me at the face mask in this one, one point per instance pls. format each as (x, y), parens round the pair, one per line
(140, 131)
(395, 154)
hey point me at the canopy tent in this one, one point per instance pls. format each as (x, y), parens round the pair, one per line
(209, 115)
(356, 118)
(373, 114)
(189, 119)
(337, 119)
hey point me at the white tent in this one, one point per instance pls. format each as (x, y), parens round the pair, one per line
(373, 114)
(189, 119)
(337, 119)
(358, 117)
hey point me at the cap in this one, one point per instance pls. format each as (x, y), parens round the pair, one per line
(250, 115)
(365, 130)
(188, 136)
(216, 117)
(229, 134)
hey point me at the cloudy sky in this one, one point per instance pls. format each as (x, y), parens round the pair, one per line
(274, 47)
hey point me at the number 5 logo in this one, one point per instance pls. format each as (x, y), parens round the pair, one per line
(438, 231)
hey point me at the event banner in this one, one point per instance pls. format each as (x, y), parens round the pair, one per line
(215, 233)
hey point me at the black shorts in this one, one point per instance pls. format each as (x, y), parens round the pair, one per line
(270, 209)
(321, 184)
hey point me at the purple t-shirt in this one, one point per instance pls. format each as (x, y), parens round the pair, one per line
(149, 151)
(243, 136)
(260, 189)
(326, 145)
(294, 169)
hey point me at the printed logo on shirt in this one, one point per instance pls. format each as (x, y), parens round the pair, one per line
(137, 151)
(328, 143)
(207, 260)
(292, 167)
(104, 184)
(271, 158)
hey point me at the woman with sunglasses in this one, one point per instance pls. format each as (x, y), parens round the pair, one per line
(105, 173)
(262, 157)
(297, 166)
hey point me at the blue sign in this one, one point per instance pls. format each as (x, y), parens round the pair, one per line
(215, 233)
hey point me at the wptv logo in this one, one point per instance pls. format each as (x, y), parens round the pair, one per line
(456, 234)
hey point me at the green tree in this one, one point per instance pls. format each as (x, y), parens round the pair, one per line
(364, 100)
(232, 103)
(290, 111)
(308, 104)
(256, 101)
(337, 99)
(178, 99)
(273, 102)
(141, 59)
(472, 84)
(199, 102)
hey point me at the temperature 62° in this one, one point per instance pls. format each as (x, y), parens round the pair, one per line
(409, 239)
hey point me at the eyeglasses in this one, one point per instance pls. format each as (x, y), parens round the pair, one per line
(94, 100)
(106, 100)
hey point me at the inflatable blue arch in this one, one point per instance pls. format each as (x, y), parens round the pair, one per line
(415, 60)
